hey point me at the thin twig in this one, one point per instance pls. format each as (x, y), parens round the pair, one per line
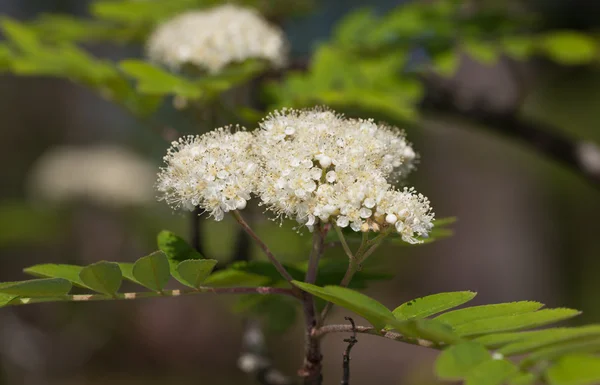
(342, 239)
(162, 294)
(327, 329)
(346, 356)
(284, 273)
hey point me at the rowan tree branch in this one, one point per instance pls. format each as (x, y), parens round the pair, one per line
(327, 329)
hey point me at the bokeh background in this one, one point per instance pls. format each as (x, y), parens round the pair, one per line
(527, 228)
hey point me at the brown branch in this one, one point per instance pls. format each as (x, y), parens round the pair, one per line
(327, 329)
(311, 370)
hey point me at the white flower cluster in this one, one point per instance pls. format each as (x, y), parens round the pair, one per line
(215, 171)
(106, 175)
(308, 165)
(213, 38)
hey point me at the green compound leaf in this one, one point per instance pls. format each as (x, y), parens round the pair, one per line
(492, 372)
(432, 304)
(470, 314)
(373, 311)
(51, 270)
(514, 322)
(455, 362)
(175, 247)
(577, 369)
(568, 47)
(193, 273)
(103, 277)
(152, 271)
(47, 287)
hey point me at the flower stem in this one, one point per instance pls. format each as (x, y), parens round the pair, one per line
(284, 273)
(354, 265)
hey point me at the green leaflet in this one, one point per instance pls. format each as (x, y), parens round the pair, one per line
(568, 47)
(555, 351)
(5, 299)
(514, 322)
(103, 277)
(491, 372)
(156, 81)
(175, 247)
(456, 361)
(46, 287)
(534, 340)
(461, 316)
(127, 271)
(231, 277)
(577, 369)
(193, 273)
(427, 329)
(51, 270)
(432, 304)
(152, 271)
(373, 311)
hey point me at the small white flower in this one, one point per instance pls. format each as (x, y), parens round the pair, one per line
(213, 38)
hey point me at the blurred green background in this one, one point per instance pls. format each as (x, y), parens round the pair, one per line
(527, 226)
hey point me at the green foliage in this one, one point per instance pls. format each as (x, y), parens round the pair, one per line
(46, 287)
(51, 270)
(193, 273)
(569, 47)
(432, 304)
(374, 312)
(462, 316)
(577, 369)
(175, 247)
(103, 277)
(514, 322)
(467, 336)
(152, 271)
(455, 362)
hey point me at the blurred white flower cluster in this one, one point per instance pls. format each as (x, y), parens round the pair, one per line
(307, 165)
(106, 175)
(213, 38)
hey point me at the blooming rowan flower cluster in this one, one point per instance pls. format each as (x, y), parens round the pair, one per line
(215, 171)
(213, 38)
(308, 165)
